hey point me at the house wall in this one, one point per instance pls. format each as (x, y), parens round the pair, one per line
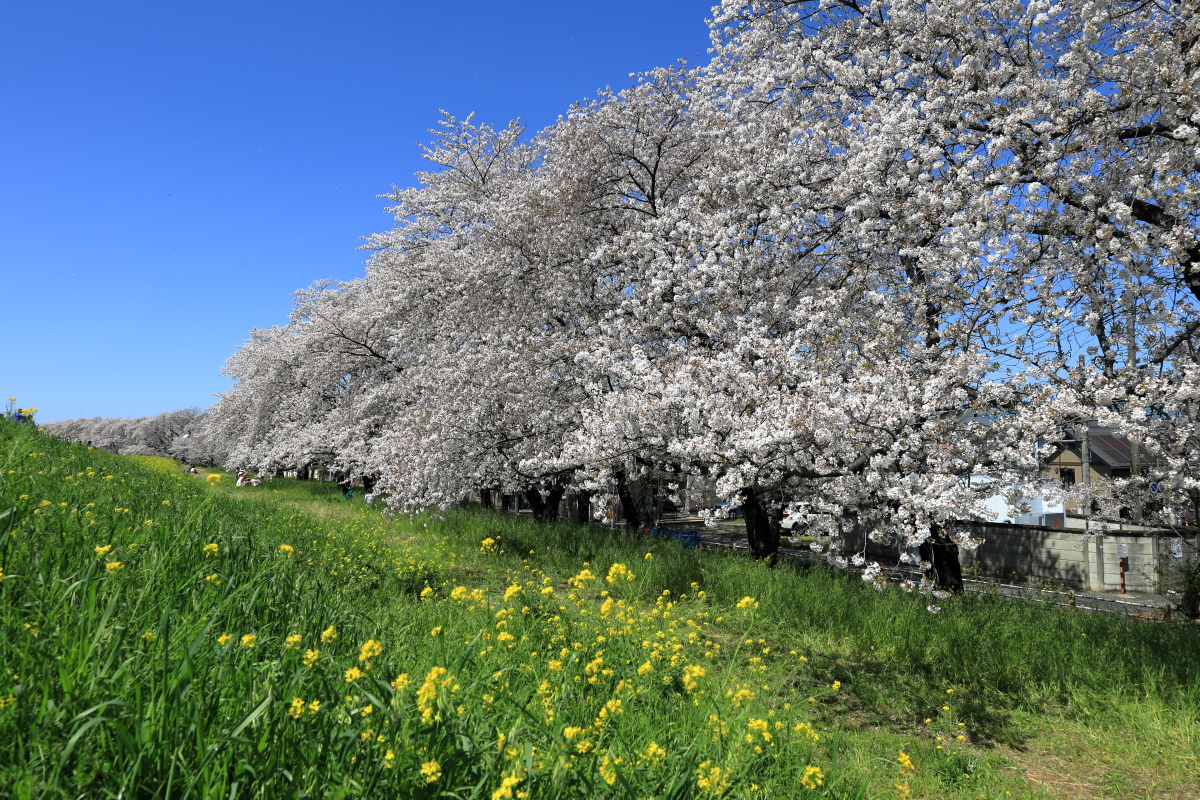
(1068, 459)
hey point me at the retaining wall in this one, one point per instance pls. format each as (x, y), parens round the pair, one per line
(1026, 552)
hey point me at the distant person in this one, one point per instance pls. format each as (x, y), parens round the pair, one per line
(368, 484)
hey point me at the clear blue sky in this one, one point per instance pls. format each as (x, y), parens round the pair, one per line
(171, 172)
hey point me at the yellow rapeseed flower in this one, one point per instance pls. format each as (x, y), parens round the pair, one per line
(287, 550)
(249, 640)
(310, 657)
(292, 642)
(747, 602)
(369, 650)
(210, 549)
(505, 792)
(114, 566)
(353, 674)
(431, 770)
(328, 635)
(812, 777)
(297, 709)
(690, 674)
(224, 639)
(616, 572)
(103, 550)
(581, 578)
(654, 752)
(807, 730)
(712, 779)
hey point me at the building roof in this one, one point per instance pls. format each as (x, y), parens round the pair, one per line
(1113, 449)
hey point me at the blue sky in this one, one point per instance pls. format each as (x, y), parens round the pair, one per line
(171, 172)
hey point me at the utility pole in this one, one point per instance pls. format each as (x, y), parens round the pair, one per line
(1135, 465)
(1135, 455)
(1085, 456)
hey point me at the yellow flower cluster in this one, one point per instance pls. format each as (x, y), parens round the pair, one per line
(812, 778)
(431, 771)
(298, 708)
(369, 650)
(618, 572)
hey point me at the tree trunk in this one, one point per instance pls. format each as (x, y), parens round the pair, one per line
(761, 530)
(942, 554)
(628, 505)
(485, 498)
(550, 512)
(583, 507)
(545, 510)
(302, 473)
(534, 498)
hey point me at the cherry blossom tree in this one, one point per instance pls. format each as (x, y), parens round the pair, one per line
(875, 259)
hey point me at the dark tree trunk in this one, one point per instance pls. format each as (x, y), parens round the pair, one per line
(302, 473)
(941, 552)
(761, 530)
(550, 511)
(545, 510)
(534, 498)
(583, 507)
(629, 508)
(485, 498)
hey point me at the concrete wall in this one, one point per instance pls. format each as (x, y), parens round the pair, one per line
(1017, 553)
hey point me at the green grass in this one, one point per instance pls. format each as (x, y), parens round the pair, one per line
(137, 682)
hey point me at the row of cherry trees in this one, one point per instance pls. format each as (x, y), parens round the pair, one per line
(869, 251)
(175, 434)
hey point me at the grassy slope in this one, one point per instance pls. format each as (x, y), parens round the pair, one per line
(121, 680)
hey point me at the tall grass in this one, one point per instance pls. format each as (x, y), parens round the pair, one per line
(167, 638)
(1009, 653)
